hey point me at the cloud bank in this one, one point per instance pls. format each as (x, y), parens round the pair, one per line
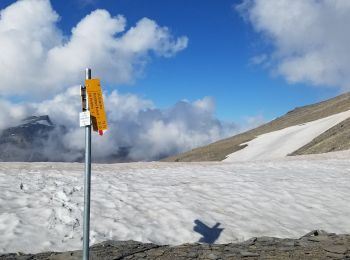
(310, 38)
(138, 130)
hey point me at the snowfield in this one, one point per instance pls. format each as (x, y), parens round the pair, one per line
(41, 203)
(279, 144)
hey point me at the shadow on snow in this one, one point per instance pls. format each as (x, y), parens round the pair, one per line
(209, 234)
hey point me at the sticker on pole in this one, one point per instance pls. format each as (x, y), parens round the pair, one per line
(84, 118)
(96, 106)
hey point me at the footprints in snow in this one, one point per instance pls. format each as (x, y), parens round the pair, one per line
(64, 211)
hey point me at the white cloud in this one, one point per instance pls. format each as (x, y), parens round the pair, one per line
(310, 38)
(37, 59)
(147, 35)
(137, 130)
(253, 122)
(11, 114)
(206, 104)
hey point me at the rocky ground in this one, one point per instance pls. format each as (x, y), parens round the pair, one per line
(314, 245)
(334, 139)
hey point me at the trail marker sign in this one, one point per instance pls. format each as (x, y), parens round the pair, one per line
(93, 111)
(96, 106)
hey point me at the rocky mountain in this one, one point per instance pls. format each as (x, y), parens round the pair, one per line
(30, 128)
(334, 139)
(28, 140)
(38, 139)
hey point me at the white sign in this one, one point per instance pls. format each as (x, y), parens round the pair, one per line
(85, 118)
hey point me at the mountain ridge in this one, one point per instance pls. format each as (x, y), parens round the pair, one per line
(218, 151)
(27, 141)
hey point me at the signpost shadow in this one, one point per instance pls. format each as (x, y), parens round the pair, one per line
(209, 234)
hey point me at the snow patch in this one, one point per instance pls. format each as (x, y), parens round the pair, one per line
(279, 144)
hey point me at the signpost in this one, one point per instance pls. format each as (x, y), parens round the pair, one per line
(93, 111)
(97, 110)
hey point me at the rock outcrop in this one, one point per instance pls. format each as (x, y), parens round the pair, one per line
(314, 245)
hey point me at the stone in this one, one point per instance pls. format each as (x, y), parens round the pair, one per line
(155, 252)
(334, 256)
(289, 243)
(316, 233)
(336, 249)
(287, 249)
(265, 239)
(192, 255)
(248, 254)
(325, 247)
(212, 256)
(251, 241)
(317, 238)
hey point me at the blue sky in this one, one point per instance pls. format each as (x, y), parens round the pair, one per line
(216, 62)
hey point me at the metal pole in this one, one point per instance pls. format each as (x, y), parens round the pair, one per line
(87, 182)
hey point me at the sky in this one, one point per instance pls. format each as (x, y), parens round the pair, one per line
(238, 63)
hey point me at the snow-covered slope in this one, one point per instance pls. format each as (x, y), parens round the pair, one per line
(279, 144)
(41, 203)
(335, 140)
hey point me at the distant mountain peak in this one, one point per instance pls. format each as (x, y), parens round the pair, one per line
(28, 140)
(43, 120)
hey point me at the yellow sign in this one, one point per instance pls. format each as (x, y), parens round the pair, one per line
(96, 106)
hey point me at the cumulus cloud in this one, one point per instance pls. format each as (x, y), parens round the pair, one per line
(38, 60)
(253, 121)
(41, 60)
(11, 114)
(310, 38)
(137, 130)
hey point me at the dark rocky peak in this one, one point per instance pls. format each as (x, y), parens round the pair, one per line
(43, 120)
(30, 128)
(29, 140)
